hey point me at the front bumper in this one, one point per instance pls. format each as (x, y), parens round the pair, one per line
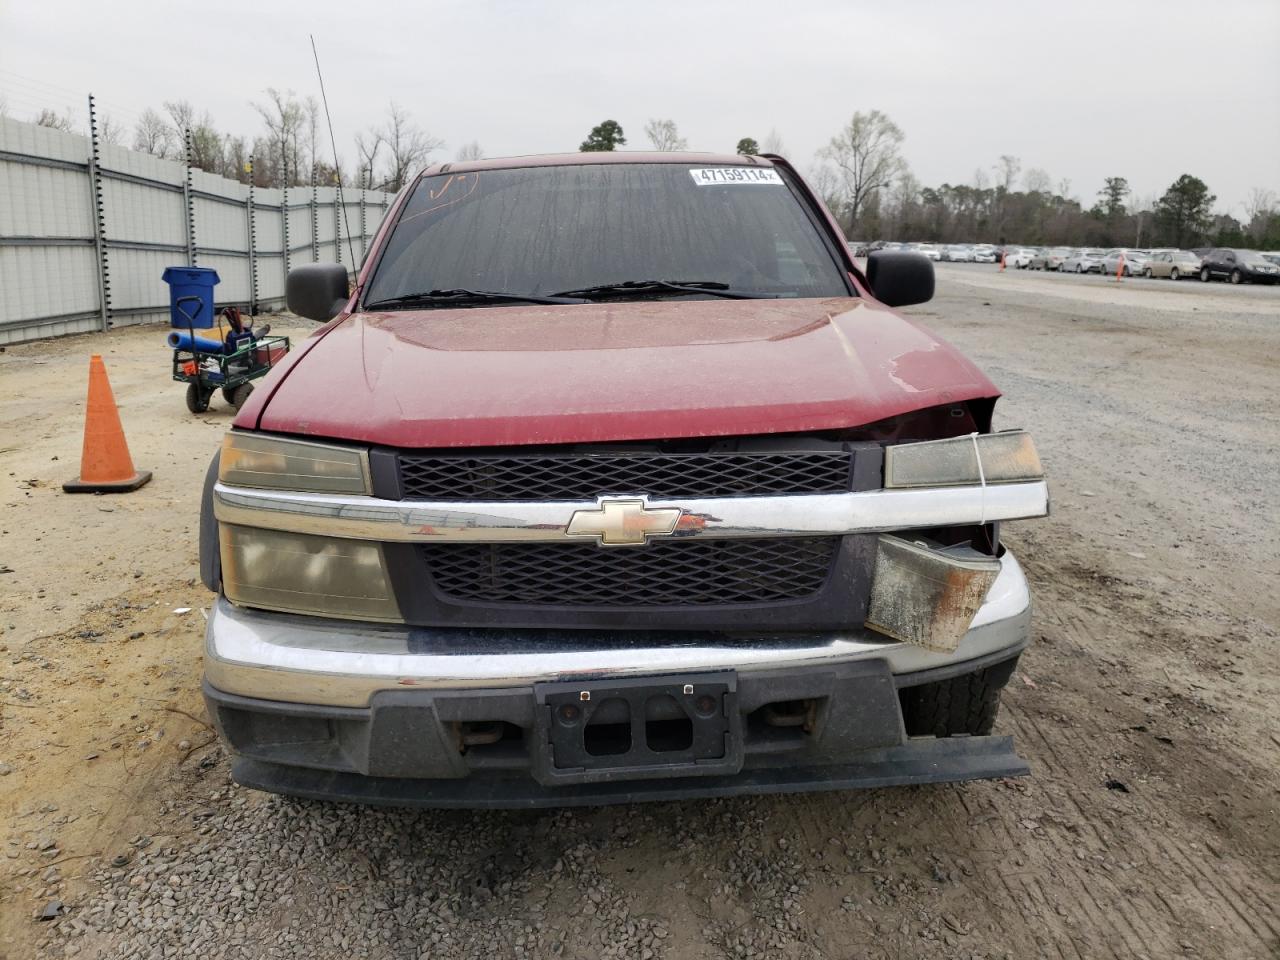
(379, 714)
(310, 660)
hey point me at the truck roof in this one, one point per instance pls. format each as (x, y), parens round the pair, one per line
(603, 156)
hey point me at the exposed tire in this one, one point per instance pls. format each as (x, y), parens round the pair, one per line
(1235, 276)
(198, 398)
(1079, 268)
(966, 704)
(1146, 272)
(1204, 274)
(1173, 273)
(238, 396)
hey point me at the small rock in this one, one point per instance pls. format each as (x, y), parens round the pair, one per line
(51, 910)
(5, 769)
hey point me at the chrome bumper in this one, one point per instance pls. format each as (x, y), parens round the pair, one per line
(310, 660)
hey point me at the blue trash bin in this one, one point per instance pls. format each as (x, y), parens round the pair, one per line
(190, 296)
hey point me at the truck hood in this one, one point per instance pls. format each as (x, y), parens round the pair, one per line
(612, 371)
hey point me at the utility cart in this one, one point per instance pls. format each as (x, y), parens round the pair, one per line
(240, 355)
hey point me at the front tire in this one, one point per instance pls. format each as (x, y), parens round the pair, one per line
(1173, 274)
(1236, 277)
(198, 398)
(1204, 274)
(1147, 272)
(961, 706)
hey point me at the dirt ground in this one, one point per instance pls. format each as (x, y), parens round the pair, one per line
(1147, 705)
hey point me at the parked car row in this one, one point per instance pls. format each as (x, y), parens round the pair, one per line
(1235, 266)
(1231, 264)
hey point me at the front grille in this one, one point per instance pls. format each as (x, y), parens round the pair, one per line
(686, 572)
(585, 476)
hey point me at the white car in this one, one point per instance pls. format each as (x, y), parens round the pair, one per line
(930, 250)
(1084, 261)
(1127, 262)
(959, 253)
(984, 253)
(1019, 257)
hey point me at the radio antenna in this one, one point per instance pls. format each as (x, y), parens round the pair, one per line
(337, 172)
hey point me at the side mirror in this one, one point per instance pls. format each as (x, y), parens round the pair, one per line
(317, 291)
(900, 279)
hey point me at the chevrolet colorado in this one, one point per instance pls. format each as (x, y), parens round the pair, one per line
(614, 478)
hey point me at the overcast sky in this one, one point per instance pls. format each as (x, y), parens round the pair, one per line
(1083, 90)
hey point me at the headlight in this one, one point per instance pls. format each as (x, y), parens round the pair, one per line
(1008, 457)
(301, 573)
(926, 596)
(255, 460)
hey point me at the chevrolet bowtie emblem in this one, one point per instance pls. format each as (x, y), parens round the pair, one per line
(623, 522)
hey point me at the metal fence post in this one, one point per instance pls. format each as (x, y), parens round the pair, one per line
(253, 259)
(315, 224)
(190, 203)
(99, 220)
(364, 230)
(337, 219)
(284, 219)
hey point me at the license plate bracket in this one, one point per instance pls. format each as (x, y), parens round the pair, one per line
(634, 729)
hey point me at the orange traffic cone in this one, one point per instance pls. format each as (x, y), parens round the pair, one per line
(105, 464)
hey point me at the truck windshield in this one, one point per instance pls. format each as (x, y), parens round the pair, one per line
(540, 230)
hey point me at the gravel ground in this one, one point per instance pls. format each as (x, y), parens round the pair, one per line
(1146, 706)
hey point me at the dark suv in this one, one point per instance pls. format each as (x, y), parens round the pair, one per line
(1238, 266)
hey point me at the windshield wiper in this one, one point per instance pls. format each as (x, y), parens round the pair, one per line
(712, 287)
(461, 295)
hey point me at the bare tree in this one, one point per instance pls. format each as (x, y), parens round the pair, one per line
(867, 157)
(1037, 180)
(206, 142)
(773, 143)
(311, 134)
(181, 114)
(367, 146)
(408, 144)
(1261, 208)
(1007, 170)
(1142, 209)
(153, 134)
(110, 130)
(471, 151)
(285, 118)
(54, 120)
(826, 185)
(664, 136)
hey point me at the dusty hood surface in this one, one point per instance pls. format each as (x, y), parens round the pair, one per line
(613, 371)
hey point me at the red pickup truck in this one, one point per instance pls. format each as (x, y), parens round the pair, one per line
(614, 478)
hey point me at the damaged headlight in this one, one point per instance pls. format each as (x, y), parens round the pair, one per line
(303, 573)
(277, 463)
(1008, 457)
(925, 595)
